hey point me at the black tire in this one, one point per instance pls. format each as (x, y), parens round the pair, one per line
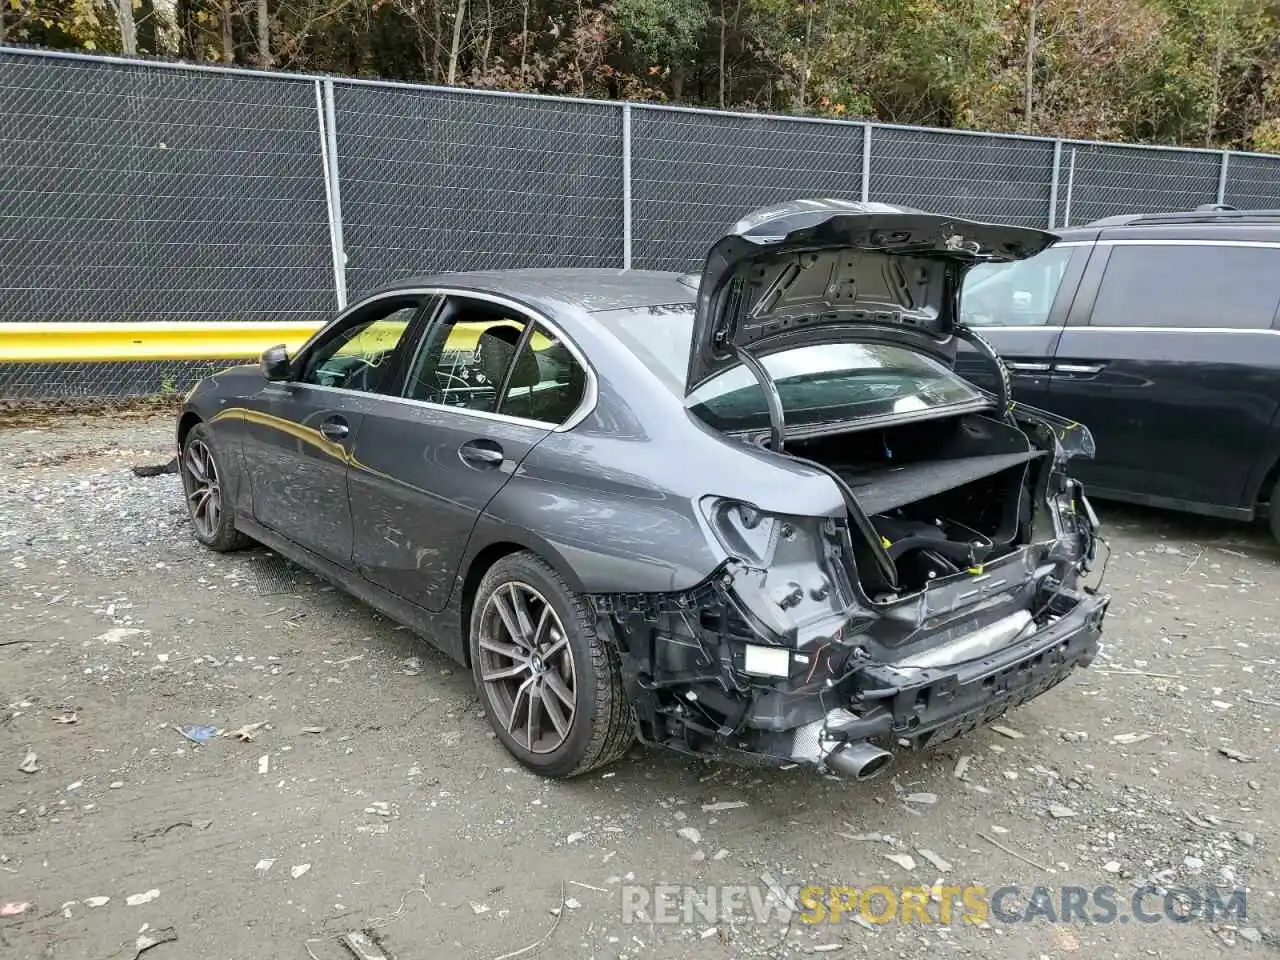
(1273, 512)
(602, 724)
(216, 531)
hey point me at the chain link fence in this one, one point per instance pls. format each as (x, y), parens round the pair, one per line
(138, 191)
(434, 181)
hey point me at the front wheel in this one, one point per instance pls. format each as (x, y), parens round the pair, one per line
(550, 685)
(212, 518)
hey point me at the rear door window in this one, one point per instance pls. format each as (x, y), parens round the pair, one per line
(546, 383)
(466, 354)
(1202, 285)
(1018, 294)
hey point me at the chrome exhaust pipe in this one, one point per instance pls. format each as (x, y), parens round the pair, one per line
(859, 760)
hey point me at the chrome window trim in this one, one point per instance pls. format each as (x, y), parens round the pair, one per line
(1118, 329)
(590, 393)
(1186, 242)
(427, 404)
(1239, 331)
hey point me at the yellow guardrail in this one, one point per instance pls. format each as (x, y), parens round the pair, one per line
(196, 340)
(97, 342)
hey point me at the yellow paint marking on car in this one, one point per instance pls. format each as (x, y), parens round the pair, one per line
(308, 435)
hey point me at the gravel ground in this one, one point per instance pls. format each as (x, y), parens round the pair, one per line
(373, 797)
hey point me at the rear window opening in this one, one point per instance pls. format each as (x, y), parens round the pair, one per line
(831, 384)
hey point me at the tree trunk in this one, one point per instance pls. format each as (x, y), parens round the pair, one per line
(724, 29)
(263, 35)
(1211, 128)
(428, 45)
(804, 61)
(228, 38)
(439, 30)
(677, 81)
(488, 36)
(524, 38)
(1031, 67)
(128, 30)
(457, 41)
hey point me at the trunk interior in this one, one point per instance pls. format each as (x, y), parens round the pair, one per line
(943, 495)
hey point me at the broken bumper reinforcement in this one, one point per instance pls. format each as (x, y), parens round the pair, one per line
(927, 706)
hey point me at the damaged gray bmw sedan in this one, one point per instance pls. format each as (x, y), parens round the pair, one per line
(752, 514)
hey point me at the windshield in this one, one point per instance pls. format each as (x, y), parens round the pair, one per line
(817, 384)
(1017, 294)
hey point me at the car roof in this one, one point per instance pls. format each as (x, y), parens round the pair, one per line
(1209, 223)
(589, 289)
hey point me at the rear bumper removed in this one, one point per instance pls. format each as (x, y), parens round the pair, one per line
(926, 707)
(850, 714)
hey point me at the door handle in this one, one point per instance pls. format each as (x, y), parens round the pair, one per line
(483, 454)
(1020, 366)
(1082, 368)
(335, 428)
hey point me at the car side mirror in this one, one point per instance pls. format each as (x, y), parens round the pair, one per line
(275, 363)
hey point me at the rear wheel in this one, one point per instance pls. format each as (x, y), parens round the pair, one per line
(212, 518)
(1273, 511)
(550, 685)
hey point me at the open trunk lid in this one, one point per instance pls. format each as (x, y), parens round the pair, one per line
(810, 272)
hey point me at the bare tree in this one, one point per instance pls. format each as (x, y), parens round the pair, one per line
(263, 34)
(1028, 116)
(1215, 93)
(456, 45)
(228, 37)
(486, 48)
(128, 29)
(804, 59)
(723, 30)
(524, 38)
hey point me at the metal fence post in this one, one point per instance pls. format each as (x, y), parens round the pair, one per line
(1222, 177)
(1053, 184)
(1071, 186)
(866, 160)
(626, 186)
(332, 189)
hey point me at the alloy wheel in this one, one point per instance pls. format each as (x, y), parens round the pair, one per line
(204, 494)
(526, 667)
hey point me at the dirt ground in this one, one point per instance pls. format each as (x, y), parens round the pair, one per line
(372, 797)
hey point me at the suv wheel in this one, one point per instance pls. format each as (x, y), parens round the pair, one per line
(1273, 511)
(212, 518)
(550, 685)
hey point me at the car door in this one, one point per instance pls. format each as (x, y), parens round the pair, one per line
(298, 434)
(1019, 308)
(487, 382)
(1169, 359)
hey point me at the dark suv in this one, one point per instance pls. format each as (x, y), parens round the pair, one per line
(1159, 333)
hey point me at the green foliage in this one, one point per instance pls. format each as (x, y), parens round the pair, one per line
(663, 31)
(1199, 72)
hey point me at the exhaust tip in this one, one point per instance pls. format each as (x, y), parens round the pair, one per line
(861, 760)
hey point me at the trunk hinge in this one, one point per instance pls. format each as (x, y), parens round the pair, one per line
(777, 420)
(984, 347)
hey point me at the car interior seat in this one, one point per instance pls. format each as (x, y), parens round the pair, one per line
(496, 351)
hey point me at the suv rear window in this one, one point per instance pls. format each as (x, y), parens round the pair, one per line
(1165, 285)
